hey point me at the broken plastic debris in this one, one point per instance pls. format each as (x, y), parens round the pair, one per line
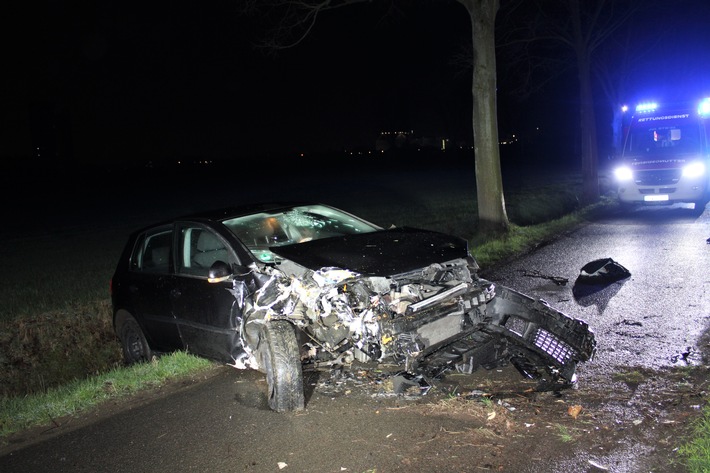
(506, 405)
(403, 381)
(560, 281)
(596, 282)
(598, 465)
(684, 355)
(602, 271)
(282, 465)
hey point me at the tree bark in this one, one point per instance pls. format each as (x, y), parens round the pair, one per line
(492, 216)
(588, 121)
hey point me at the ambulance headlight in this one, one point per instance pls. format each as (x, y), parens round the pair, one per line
(694, 169)
(623, 173)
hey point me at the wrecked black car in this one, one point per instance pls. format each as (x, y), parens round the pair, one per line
(285, 287)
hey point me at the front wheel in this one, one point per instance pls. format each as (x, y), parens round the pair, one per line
(281, 362)
(133, 342)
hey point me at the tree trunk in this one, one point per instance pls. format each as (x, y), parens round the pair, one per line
(588, 121)
(492, 217)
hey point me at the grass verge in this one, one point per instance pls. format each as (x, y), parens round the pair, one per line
(19, 413)
(696, 451)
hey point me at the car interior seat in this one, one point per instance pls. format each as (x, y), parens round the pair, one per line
(159, 257)
(209, 249)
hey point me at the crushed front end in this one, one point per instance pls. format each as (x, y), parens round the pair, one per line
(429, 321)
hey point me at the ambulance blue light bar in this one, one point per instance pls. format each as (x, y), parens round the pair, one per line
(646, 107)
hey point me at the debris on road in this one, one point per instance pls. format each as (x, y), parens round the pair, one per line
(534, 273)
(602, 271)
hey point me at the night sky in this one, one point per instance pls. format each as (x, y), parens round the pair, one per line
(125, 82)
(180, 80)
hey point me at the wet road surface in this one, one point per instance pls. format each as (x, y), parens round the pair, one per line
(648, 319)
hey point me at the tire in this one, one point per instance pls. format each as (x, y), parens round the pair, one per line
(133, 342)
(281, 361)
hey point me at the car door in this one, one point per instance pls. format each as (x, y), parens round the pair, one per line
(150, 288)
(207, 313)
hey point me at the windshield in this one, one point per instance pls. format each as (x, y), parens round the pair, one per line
(300, 224)
(663, 137)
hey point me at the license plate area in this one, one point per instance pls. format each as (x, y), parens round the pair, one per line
(656, 198)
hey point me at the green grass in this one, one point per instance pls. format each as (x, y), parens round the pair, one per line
(696, 452)
(57, 272)
(487, 402)
(18, 413)
(564, 434)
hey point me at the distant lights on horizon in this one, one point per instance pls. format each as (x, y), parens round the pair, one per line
(410, 132)
(513, 139)
(353, 153)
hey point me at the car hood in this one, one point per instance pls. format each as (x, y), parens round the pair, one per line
(382, 253)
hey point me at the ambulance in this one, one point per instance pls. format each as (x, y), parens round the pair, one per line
(666, 156)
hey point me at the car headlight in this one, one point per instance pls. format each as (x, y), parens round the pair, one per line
(623, 173)
(694, 169)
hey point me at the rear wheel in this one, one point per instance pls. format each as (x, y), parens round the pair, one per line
(281, 362)
(133, 342)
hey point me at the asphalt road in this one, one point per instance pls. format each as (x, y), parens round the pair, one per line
(221, 424)
(648, 319)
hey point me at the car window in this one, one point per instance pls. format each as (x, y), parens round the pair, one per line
(299, 224)
(152, 252)
(199, 248)
(295, 225)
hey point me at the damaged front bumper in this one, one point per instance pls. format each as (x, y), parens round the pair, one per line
(500, 327)
(428, 322)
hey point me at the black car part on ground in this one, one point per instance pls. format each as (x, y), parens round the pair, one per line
(602, 271)
(599, 280)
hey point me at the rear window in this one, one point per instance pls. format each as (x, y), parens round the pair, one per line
(152, 252)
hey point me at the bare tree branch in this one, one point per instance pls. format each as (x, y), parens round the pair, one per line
(291, 20)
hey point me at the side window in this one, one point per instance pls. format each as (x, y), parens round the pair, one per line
(199, 248)
(152, 252)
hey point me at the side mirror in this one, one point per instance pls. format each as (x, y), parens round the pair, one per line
(219, 271)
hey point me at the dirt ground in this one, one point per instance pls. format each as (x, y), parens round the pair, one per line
(497, 421)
